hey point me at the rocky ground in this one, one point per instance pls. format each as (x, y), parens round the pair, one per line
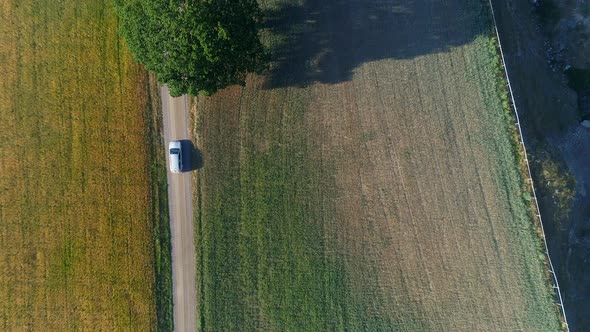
(566, 26)
(566, 23)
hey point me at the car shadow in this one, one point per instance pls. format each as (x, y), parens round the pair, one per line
(192, 158)
(324, 41)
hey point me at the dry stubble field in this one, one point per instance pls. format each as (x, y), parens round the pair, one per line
(370, 181)
(77, 200)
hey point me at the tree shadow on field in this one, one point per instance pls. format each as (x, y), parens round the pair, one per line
(324, 41)
(192, 158)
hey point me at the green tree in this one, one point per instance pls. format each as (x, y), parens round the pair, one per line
(194, 46)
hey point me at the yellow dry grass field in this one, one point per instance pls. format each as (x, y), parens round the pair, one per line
(76, 248)
(370, 181)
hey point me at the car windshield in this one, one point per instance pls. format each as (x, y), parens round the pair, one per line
(174, 151)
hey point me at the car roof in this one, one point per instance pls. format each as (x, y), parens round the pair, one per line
(174, 144)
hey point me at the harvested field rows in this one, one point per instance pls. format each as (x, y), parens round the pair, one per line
(76, 213)
(370, 181)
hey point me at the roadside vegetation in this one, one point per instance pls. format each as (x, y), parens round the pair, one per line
(160, 214)
(370, 181)
(84, 241)
(557, 183)
(194, 46)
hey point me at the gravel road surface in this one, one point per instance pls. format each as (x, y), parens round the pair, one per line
(181, 218)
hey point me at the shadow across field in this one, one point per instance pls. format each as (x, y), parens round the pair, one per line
(192, 158)
(324, 41)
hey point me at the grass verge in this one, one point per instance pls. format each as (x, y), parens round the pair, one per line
(159, 209)
(551, 173)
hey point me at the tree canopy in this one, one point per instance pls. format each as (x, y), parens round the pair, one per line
(194, 46)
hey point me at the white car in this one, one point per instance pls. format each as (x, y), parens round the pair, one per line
(175, 152)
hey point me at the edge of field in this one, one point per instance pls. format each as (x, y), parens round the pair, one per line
(159, 208)
(194, 119)
(522, 160)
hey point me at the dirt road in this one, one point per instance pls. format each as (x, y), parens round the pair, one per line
(181, 212)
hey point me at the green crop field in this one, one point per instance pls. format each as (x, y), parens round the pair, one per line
(370, 181)
(83, 215)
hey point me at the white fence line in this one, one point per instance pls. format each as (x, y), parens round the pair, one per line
(554, 277)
